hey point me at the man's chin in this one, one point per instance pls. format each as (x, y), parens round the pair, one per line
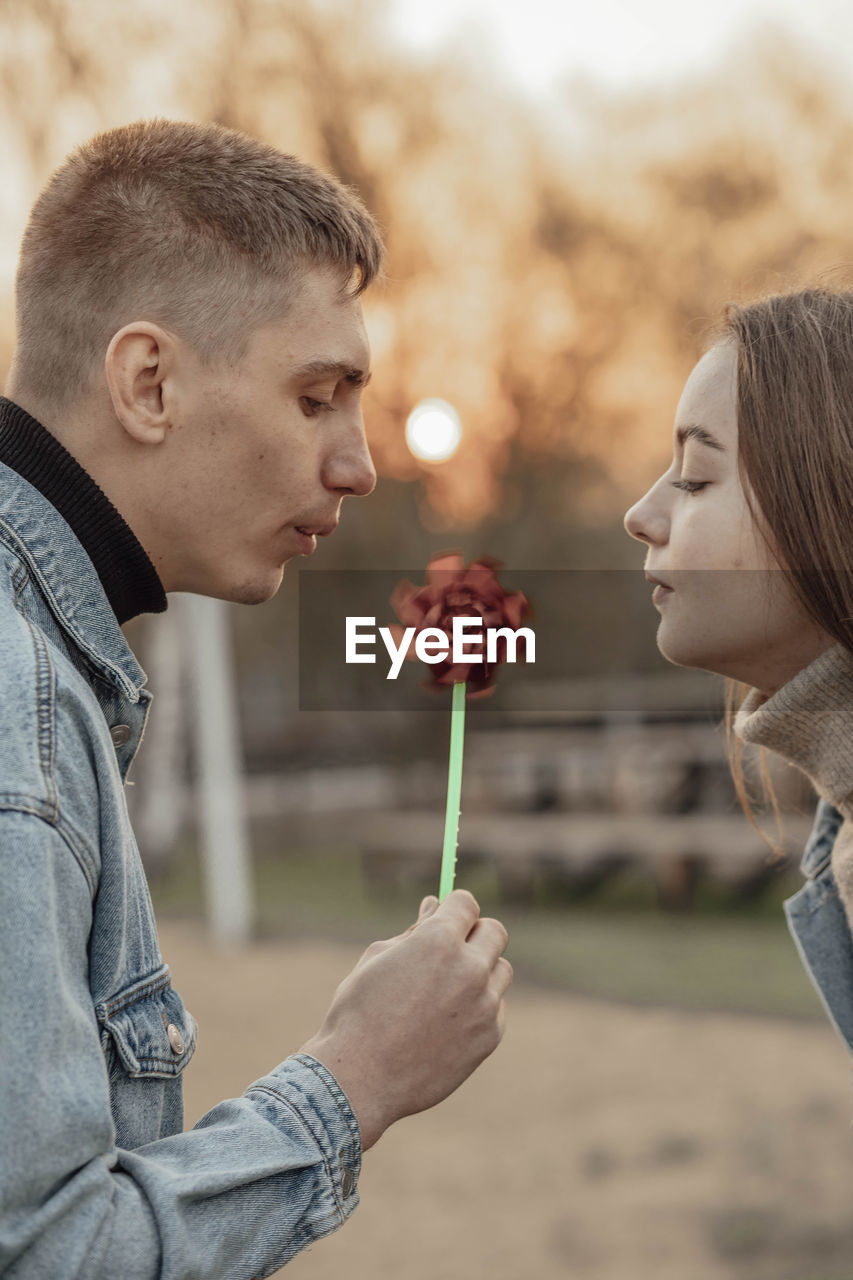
(258, 591)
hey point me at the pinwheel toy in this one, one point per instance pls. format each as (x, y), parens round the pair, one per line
(453, 591)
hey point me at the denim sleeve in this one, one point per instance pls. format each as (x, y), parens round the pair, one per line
(257, 1179)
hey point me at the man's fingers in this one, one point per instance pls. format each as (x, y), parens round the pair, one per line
(461, 908)
(501, 977)
(376, 948)
(429, 906)
(489, 936)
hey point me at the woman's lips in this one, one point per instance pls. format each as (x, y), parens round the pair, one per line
(662, 589)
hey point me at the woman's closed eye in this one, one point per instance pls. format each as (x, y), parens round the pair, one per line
(689, 486)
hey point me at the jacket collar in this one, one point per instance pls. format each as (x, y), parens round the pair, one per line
(124, 567)
(34, 529)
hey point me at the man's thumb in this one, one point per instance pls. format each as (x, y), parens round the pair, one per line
(428, 906)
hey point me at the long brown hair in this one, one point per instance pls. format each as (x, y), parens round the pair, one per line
(795, 450)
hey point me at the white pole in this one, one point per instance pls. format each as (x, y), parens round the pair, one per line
(158, 799)
(222, 822)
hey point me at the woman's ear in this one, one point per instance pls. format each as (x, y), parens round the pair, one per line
(137, 363)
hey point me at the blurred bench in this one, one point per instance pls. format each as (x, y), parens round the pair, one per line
(581, 850)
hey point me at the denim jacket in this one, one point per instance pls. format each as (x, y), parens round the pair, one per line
(97, 1180)
(818, 923)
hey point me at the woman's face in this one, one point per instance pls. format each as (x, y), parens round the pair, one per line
(730, 609)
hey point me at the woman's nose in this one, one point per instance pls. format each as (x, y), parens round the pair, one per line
(645, 523)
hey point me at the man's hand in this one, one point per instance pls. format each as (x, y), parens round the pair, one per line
(417, 1015)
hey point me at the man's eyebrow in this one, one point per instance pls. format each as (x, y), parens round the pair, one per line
(331, 369)
(695, 432)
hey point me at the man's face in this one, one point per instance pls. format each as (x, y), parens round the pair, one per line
(260, 454)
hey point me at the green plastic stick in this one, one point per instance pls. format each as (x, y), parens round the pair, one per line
(454, 790)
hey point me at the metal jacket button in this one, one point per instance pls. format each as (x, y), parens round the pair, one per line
(120, 734)
(176, 1040)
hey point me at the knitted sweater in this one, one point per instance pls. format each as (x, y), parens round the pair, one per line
(809, 722)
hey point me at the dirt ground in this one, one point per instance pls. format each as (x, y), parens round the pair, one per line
(600, 1140)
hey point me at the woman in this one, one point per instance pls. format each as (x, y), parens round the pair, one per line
(750, 540)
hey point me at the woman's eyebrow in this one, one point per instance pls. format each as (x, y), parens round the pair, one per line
(695, 432)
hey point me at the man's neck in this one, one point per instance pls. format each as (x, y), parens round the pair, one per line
(128, 577)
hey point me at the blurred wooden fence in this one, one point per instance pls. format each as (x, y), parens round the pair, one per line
(573, 805)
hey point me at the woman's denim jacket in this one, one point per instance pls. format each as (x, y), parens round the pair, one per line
(818, 922)
(96, 1178)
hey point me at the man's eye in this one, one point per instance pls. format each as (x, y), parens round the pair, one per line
(317, 406)
(689, 486)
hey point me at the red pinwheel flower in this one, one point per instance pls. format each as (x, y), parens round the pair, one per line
(454, 591)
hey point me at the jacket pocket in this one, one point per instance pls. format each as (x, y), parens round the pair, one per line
(146, 1030)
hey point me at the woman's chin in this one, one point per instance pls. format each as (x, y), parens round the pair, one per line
(684, 651)
(719, 660)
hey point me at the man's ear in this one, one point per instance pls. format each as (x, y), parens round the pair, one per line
(138, 360)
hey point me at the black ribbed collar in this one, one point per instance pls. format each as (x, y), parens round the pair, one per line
(129, 579)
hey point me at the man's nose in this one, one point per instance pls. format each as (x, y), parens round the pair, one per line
(350, 469)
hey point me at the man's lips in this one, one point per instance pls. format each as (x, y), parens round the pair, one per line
(309, 533)
(650, 577)
(317, 530)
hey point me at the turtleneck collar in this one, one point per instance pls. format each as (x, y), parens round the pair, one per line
(129, 579)
(808, 722)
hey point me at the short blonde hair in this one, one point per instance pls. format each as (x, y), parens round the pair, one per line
(193, 226)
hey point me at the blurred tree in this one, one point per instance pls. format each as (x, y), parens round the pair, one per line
(549, 275)
(551, 270)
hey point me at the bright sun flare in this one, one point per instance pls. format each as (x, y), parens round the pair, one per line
(433, 430)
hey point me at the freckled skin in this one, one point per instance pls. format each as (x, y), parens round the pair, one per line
(732, 611)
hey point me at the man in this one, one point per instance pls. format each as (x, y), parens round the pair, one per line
(183, 414)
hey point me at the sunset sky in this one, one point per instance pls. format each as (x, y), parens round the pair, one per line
(697, 158)
(623, 45)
